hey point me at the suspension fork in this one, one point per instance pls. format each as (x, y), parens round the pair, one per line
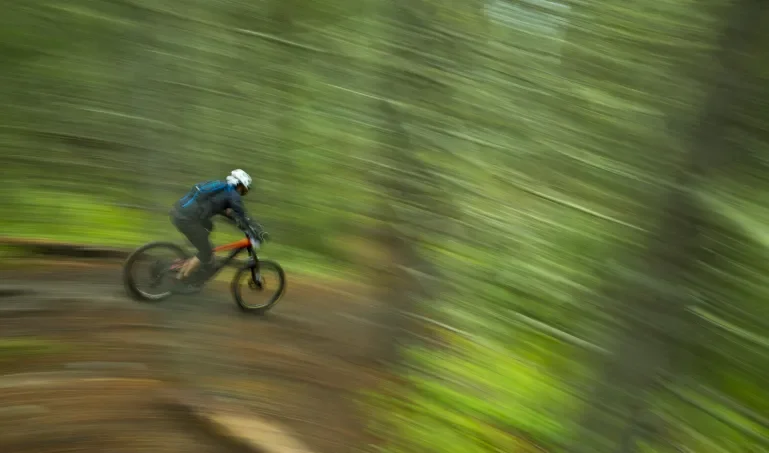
(254, 263)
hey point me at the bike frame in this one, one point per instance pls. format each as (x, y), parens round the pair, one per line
(236, 248)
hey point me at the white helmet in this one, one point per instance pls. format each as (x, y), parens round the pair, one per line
(239, 177)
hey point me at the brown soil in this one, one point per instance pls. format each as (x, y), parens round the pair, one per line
(302, 366)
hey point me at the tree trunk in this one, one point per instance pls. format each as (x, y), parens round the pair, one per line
(412, 198)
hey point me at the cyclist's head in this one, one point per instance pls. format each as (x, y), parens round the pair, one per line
(241, 180)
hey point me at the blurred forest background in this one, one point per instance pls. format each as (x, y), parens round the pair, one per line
(573, 193)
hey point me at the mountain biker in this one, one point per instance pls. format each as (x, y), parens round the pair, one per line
(192, 214)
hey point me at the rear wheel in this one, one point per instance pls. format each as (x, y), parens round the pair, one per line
(149, 273)
(260, 295)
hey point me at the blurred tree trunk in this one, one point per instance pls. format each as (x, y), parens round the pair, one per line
(396, 289)
(652, 307)
(402, 185)
(414, 209)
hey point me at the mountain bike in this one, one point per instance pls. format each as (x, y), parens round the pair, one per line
(164, 271)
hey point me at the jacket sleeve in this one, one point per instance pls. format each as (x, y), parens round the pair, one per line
(238, 210)
(239, 213)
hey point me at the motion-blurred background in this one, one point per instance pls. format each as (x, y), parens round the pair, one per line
(561, 205)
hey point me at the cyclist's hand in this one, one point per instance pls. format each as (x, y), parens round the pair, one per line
(241, 224)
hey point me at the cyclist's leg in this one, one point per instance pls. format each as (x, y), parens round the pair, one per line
(182, 226)
(179, 224)
(204, 260)
(197, 234)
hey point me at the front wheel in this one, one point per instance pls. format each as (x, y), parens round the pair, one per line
(258, 291)
(157, 261)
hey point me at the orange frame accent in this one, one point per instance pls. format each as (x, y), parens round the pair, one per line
(241, 244)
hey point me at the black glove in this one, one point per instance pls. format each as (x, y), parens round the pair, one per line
(242, 224)
(255, 228)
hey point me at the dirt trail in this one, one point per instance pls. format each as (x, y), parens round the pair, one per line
(301, 367)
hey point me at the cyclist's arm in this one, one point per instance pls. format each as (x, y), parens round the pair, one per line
(237, 212)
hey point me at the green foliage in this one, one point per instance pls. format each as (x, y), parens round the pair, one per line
(489, 393)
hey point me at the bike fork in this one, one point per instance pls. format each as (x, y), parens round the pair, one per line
(256, 277)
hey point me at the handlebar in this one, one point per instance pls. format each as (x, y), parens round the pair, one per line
(252, 231)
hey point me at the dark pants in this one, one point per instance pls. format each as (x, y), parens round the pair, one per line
(197, 233)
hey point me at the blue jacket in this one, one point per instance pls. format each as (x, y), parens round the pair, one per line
(208, 199)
